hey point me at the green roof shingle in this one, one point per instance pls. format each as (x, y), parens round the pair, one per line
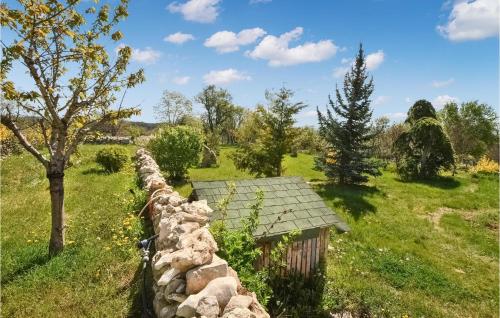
(306, 210)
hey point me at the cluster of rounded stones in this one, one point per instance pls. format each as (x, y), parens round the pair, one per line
(190, 280)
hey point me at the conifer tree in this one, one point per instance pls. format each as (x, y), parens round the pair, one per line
(346, 128)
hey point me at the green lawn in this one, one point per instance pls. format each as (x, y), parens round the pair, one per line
(96, 275)
(299, 166)
(421, 249)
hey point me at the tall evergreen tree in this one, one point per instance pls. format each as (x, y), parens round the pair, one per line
(346, 128)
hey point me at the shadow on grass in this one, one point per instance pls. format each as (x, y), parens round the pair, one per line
(139, 286)
(95, 171)
(296, 296)
(442, 182)
(351, 197)
(38, 260)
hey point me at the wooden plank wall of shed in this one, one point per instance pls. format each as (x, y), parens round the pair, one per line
(302, 256)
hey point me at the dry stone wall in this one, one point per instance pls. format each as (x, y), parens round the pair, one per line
(190, 280)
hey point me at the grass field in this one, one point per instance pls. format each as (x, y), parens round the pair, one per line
(96, 275)
(418, 249)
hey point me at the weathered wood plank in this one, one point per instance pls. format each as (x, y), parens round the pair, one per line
(295, 257)
(313, 254)
(289, 258)
(327, 240)
(317, 251)
(308, 257)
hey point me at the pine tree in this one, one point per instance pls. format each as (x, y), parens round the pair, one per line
(346, 128)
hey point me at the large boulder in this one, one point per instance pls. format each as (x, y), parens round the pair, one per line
(168, 276)
(257, 308)
(223, 288)
(201, 236)
(198, 277)
(208, 306)
(187, 258)
(238, 301)
(197, 207)
(159, 302)
(239, 313)
(195, 249)
(174, 285)
(168, 311)
(161, 259)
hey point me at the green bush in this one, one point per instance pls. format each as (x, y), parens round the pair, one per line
(239, 248)
(424, 148)
(176, 149)
(112, 159)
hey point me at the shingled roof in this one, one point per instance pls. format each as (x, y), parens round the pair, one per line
(307, 211)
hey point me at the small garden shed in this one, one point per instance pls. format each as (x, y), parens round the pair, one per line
(305, 210)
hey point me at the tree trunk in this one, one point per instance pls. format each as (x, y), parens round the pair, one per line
(56, 182)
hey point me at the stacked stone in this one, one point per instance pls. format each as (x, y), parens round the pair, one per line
(109, 140)
(190, 280)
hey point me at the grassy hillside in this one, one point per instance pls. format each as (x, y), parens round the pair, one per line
(96, 275)
(418, 249)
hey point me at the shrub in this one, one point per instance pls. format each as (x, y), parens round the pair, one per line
(425, 148)
(176, 149)
(239, 248)
(112, 159)
(421, 109)
(485, 165)
(8, 142)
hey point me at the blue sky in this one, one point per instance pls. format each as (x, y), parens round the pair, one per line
(437, 50)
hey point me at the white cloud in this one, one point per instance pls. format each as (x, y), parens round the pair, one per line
(145, 56)
(203, 11)
(442, 100)
(178, 38)
(227, 41)
(181, 80)
(438, 84)
(373, 60)
(472, 20)
(395, 116)
(380, 100)
(276, 50)
(346, 60)
(408, 100)
(340, 71)
(224, 77)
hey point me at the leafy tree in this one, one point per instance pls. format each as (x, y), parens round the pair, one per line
(76, 82)
(176, 149)
(273, 131)
(424, 148)
(346, 128)
(172, 107)
(306, 140)
(384, 137)
(191, 121)
(232, 124)
(472, 128)
(218, 107)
